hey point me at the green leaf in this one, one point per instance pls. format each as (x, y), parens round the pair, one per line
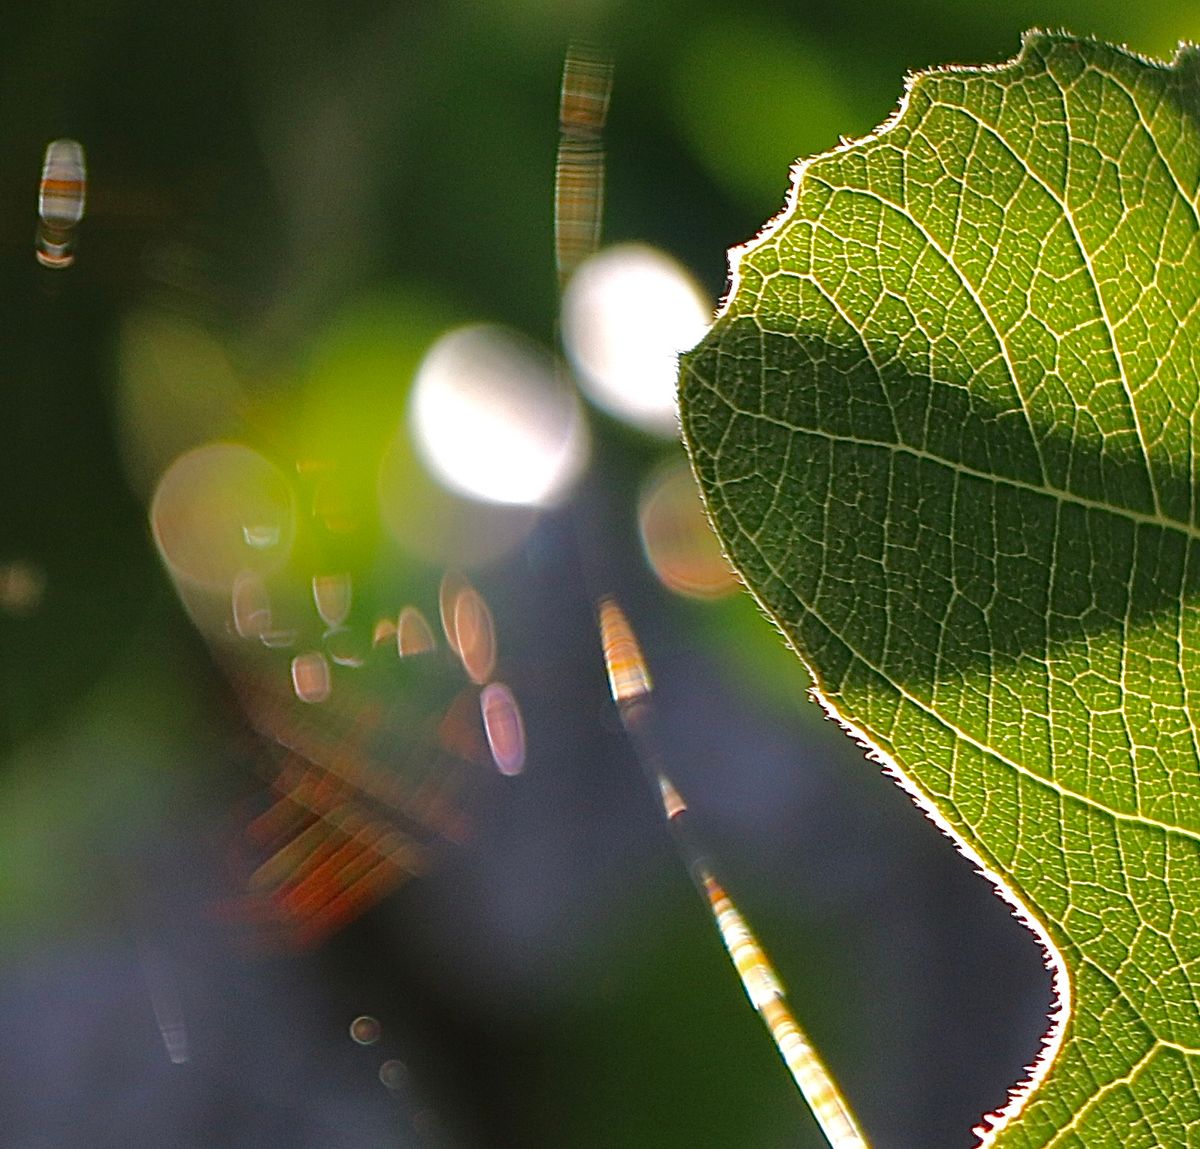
(946, 428)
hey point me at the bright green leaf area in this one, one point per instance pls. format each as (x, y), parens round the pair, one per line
(947, 430)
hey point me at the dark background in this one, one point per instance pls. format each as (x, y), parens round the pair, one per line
(301, 196)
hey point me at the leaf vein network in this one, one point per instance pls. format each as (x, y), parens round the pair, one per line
(1142, 518)
(950, 727)
(968, 286)
(1089, 267)
(1159, 153)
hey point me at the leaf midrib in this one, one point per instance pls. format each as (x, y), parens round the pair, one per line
(925, 708)
(1141, 518)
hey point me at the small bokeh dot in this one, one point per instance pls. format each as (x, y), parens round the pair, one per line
(393, 1074)
(365, 1030)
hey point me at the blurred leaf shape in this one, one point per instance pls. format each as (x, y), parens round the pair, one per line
(945, 427)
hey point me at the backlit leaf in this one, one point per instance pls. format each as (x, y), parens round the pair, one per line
(946, 429)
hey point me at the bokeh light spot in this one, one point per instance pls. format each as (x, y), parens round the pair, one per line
(393, 1074)
(385, 631)
(493, 421)
(203, 505)
(475, 635)
(21, 587)
(627, 314)
(251, 605)
(679, 543)
(261, 535)
(62, 195)
(332, 595)
(346, 647)
(413, 633)
(310, 677)
(504, 727)
(278, 639)
(365, 1030)
(452, 585)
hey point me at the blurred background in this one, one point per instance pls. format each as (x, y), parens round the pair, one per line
(312, 331)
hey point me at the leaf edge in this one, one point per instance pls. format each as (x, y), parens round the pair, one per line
(993, 1123)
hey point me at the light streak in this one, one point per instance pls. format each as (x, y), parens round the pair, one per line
(765, 992)
(351, 818)
(332, 857)
(164, 1000)
(579, 171)
(628, 677)
(630, 682)
(62, 195)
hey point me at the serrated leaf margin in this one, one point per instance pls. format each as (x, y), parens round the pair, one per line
(993, 1123)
